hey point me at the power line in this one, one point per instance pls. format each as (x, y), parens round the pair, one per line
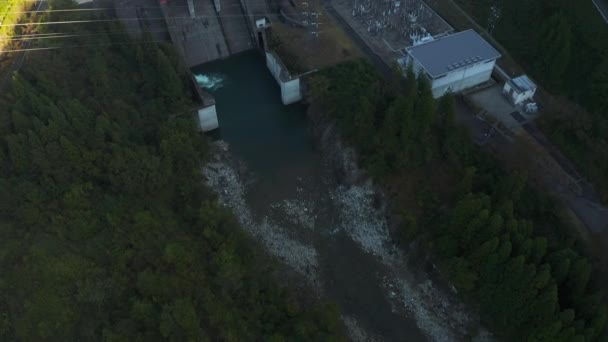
(101, 32)
(259, 4)
(31, 37)
(203, 35)
(127, 30)
(62, 10)
(207, 37)
(125, 19)
(104, 44)
(96, 33)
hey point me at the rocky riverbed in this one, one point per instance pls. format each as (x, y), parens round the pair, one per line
(307, 231)
(297, 189)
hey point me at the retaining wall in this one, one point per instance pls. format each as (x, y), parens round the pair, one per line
(206, 111)
(291, 91)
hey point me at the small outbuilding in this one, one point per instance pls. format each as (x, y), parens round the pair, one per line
(453, 63)
(519, 89)
(262, 23)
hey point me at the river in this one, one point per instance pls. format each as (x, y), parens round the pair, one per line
(329, 233)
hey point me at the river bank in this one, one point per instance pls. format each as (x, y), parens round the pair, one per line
(410, 294)
(317, 212)
(412, 264)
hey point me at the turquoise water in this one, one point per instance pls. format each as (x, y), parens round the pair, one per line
(265, 134)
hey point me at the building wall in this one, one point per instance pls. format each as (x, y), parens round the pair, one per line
(463, 79)
(516, 97)
(506, 88)
(521, 97)
(290, 91)
(458, 80)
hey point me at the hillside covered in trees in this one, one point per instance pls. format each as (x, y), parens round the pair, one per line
(563, 44)
(504, 246)
(106, 229)
(10, 13)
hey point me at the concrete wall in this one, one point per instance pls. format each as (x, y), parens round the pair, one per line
(457, 80)
(526, 95)
(235, 27)
(206, 112)
(207, 118)
(198, 40)
(463, 79)
(291, 91)
(290, 87)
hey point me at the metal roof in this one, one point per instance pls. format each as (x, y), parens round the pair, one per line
(523, 83)
(453, 52)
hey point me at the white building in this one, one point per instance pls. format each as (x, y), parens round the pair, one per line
(519, 89)
(453, 63)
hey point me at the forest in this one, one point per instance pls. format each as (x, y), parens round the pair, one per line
(107, 231)
(563, 44)
(504, 245)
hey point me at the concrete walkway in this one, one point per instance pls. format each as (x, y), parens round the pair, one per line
(494, 102)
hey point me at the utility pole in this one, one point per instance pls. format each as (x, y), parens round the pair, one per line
(312, 16)
(314, 24)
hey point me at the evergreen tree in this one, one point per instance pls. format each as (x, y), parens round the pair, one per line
(554, 49)
(102, 231)
(599, 89)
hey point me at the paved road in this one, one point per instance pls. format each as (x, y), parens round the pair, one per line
(602, 7)
(586, 204)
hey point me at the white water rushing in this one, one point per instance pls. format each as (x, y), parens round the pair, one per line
(210, 81)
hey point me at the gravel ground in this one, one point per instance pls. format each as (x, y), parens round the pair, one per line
(355, 332)
(362, 221)
(225, 181)
(297, 211)
(436, 313)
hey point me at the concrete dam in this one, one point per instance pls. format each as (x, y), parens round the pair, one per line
(204, 31)
(201, 30)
